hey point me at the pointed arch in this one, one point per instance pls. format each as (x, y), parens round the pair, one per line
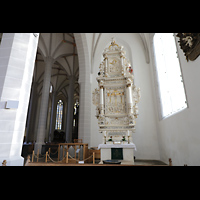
(146, 48)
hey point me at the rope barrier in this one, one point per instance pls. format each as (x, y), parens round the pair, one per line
(39, 156)
(54, 152)
(80, 160)
(35, 156)
(53, 160)
(48, 155)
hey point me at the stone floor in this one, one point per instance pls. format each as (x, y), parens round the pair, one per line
(141, 162)
(149, 162)
(137, 162)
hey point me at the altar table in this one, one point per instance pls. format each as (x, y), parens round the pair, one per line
(127, 151)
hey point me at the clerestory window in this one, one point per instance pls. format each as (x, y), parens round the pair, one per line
(170, 81)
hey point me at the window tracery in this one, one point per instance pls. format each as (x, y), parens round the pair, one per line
(59, 115)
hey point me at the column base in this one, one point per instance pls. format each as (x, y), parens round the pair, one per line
(13, 161)
(38, 146)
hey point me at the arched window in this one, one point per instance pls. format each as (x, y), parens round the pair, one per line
(59, 115)
(170, 81)
(51, 88)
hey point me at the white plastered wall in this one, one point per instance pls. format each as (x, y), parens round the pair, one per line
(179, 134)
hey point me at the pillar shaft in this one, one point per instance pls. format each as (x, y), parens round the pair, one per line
(53, 109)
(84, 129)
(17, 58)
(101, 101)
(32, 114)
(129, 98)
(41, 130)
(70, 108)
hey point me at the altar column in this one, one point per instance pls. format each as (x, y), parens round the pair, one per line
(122, 63)
(106, 65)
(129, 98)
(122, 60)
(101, 101)
(44, 104)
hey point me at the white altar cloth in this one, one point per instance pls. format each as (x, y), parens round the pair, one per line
(126, 146)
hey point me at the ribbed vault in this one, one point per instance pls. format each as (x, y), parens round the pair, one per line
(62, 48)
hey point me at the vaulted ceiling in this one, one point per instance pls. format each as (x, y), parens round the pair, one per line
(62, 48)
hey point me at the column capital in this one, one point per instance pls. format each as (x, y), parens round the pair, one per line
(129, 82)
(49, 60)
(105, 55)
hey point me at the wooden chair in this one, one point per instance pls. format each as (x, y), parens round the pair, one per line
(78, 141)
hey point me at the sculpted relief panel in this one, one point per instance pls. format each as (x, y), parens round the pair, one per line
(115, 101)
(114, 68)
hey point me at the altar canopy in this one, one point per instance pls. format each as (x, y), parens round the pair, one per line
(116, 97)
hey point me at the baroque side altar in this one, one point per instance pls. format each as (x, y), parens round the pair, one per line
(116, 98)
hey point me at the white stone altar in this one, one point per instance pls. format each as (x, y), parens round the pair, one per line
(116, 100)
(128, 152)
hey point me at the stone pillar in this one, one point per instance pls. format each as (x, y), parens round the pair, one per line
(70, 108)
(53, 109)
(85, 101)
(54, 117)
(17, 58)
(32, 113)
(41, 130)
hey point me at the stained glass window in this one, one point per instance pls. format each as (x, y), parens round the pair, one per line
(59, 115)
